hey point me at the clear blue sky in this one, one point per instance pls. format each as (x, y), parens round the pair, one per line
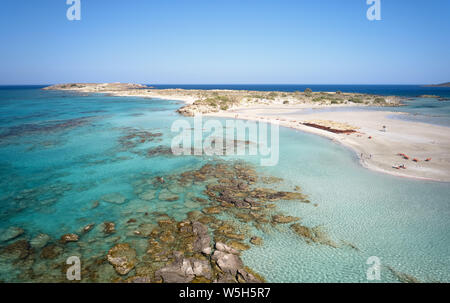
(211, 41)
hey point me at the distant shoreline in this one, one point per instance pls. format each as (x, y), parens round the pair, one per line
(210, 101)
(446, 84)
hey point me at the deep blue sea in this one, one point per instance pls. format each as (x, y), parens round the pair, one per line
(398, 90)
(68, 160)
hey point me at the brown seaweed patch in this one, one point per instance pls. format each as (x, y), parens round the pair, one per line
(313, 235)
(403, 277)
(159, 151)
(44, 127)
(16, 251)
(135, 137)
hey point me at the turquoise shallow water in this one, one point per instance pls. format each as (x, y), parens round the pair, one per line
(403, 222)
(60, 152)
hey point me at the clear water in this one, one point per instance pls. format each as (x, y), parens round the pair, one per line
(66, 147)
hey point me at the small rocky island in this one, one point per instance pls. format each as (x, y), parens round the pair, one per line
(446, 84)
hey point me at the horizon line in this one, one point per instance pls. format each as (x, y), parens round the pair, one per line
(150, 84)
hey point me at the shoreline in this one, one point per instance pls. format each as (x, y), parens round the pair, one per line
(437, 170)
(376, 150)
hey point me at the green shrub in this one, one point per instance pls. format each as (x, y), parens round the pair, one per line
(380, 100)
(272, 95)
(356, 100)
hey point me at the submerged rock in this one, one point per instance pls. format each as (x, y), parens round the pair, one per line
(267, 194)
(51, 251)
(15, 251)
(69, 238)
(88, 227)
(256, 241)
(116, 198)
(402, 277)
(315, 235)
(122, 257)
(303, 231)
(239, 245)
(166, 195)
(159, 151)
(40, 241)
(10, 233)
(167, 237)
(284, 219)
(194, 215)
(148, 195)
(214, 210)
(109, 227)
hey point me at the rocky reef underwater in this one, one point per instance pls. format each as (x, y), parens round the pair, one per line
(221, 222)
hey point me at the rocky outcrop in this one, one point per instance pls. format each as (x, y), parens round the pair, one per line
(228, 262)
(226, 249)
(122, 257)
(231, 266)
(194, 109)
(203, 241)
(10, 233)
(184, 270)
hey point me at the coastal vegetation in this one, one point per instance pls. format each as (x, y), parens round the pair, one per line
(210, 101)
(446, 84)
(224, 100)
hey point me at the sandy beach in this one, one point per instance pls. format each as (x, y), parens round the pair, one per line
(377, 148)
